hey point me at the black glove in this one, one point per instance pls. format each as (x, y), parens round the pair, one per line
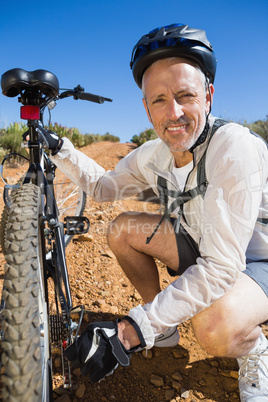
(48, 138)
(98, 350)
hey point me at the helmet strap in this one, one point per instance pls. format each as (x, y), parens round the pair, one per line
(204, 133)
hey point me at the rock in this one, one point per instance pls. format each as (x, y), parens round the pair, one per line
(214, 371)
(184, 393)
(109, 253)
(99, 215)
(104, 293)
(99, 302)
(157, 380)
(114, 309)
(231, 374)
(136, 296)
(86, 318)
(80, 294)
(147, 354)
(169, 394)
(214, 363)
(177, 376)
(166, 280)
(60, 391)
(85, 237)
(64, 398)
(176, 385)
(180, 353)
(81, 391)
(234, 396)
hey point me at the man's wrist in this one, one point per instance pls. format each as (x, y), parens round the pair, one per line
(127, 335)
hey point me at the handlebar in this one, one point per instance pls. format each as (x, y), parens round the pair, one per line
(79, 93)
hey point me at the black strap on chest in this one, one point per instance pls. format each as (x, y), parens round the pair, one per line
(183, 197)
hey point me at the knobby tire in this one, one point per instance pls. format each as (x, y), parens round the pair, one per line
(25, 357)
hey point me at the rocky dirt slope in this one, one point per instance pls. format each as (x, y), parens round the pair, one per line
(183, 373)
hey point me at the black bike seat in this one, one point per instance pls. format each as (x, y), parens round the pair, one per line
(14, 81)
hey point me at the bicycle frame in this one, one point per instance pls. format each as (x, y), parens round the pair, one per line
(39, 89)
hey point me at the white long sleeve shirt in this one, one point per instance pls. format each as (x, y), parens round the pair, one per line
(223, 223)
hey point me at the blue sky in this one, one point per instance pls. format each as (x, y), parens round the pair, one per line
(89, 42)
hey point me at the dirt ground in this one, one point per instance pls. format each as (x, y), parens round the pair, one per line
(183, 373)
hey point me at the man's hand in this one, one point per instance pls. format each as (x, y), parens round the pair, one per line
(48, 138)
(98, 350)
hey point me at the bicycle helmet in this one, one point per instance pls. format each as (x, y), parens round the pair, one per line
(175, 40)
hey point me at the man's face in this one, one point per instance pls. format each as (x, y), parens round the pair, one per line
(176, 102)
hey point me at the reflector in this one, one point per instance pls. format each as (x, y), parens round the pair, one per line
(30, 112)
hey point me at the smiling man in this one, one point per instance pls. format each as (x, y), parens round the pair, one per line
(177, 100)
(211, 176)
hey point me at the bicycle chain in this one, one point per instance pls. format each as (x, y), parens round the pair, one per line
(61, 323)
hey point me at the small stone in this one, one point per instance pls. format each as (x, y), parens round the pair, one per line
(99, 215)
(85, 237)
(136, 295)
(176, 385)
(169, 394)
(234, 396)
(177, 376)
(64, 398)
(214, 371)
(104, 293)
(81, 391)
(79, 294)
(180, 353)
(214, 363)
(99, 302)
(147, 354)
(157, 380)
(86, 318)
(184, 393)
(231, 374)
(110, 254)
(114, 310)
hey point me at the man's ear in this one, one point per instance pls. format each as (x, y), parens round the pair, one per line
(147, 110)
(209, 97)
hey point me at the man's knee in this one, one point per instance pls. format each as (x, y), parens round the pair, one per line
(122, 228)
(116, 228)
(216, 329)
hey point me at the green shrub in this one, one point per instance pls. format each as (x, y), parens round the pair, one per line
(110, 137)
(260, 127)
(11, 138)
(143, 137)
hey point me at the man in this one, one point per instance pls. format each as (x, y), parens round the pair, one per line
(212, 178)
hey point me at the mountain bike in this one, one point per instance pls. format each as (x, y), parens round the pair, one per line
(41, 214)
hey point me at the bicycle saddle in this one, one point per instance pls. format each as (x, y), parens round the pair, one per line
(14, 81)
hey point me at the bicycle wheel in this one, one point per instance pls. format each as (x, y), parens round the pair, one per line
(3, 225)
(71, 200)
(26, 351)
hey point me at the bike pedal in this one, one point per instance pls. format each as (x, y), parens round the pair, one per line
(76, 225)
